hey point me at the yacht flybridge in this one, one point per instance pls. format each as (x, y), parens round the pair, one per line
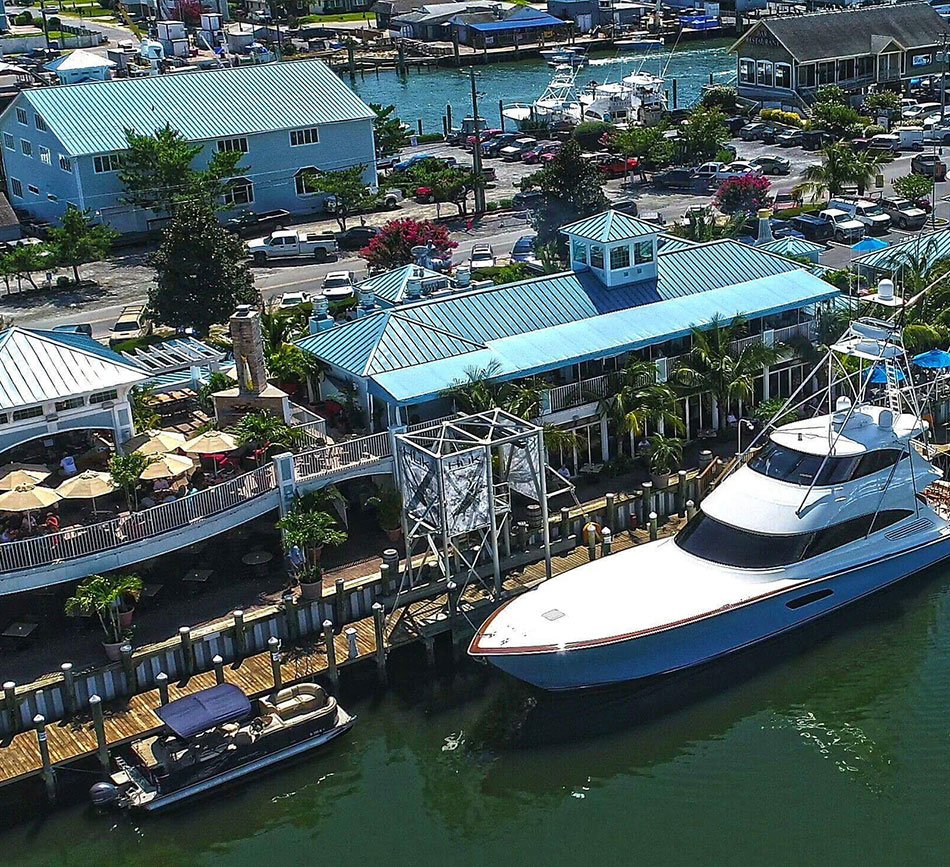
(815, 514)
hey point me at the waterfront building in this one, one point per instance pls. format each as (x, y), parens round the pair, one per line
(79, 66)
(588, 15)
(624, 297)
(785, 59)
(478, 23)
(63, 145)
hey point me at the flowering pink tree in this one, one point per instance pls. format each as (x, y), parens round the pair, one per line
(743, 194)
(392, 247)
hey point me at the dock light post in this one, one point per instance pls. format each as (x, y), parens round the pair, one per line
(742, 423)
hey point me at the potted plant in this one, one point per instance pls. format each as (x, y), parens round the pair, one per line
(103, 596)
(666, 456)
(388, 505)
(308, 530)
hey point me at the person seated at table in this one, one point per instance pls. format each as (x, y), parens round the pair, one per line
(52, 522)
(161, 485)
(9, 535)
(147, 501)
(28, 524)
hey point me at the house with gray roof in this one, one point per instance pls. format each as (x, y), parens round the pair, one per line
(624, 297)
(783, 60)
(63, 145)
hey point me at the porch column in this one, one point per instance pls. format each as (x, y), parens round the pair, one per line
(765, 383)
(285, 474)
(604, 439)
(714, 421)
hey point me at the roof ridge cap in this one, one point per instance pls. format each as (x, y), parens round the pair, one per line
(47, 335)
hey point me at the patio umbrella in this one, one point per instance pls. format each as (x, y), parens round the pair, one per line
(936, 359)
(28, 498)
(14, 475)
(166, 467)
(87, 486)
(877, 375)
(212, 442)
(156, 442)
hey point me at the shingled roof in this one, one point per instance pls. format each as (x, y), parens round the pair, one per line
(852, 32)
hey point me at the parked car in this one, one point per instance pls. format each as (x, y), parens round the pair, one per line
(338, 285)
(682, 179)
(750, 132)
(410, 161)
(492, 147)
(625, 206)
(356, 237)
(845, 228)
(255, 221)
(769, 133)
(904, 213)
(738, 169)
(708, 170)
(929, 165)
(772, 165)
(785, 201)
(131, 324)
(542, 147)
(615, 166)
(815, 139)
(813, 228)
(482, 257)
(293, 245)
(735, 123)
(512, 152)
(920, 110)
(289, 300)
(790, 138)
(527, 199)
(868, 213)
(523, 251)
(883, 142)
(784, 229)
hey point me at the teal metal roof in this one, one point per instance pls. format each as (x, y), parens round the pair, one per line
(413, 352)
(671, 243)
(794, 247)
(925, 250)
(91, 118)
(390, 287)
(609, 226)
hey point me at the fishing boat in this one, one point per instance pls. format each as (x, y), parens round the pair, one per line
(569, 55)
(559, 102)
(816, 514)
(639, 40)
(637, 99)
(216, 737)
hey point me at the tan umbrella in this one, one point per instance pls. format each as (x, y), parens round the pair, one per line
(87, 486)
(155, 442)
(212, 442)
(14, 475)
(167, 467)
(28, 498)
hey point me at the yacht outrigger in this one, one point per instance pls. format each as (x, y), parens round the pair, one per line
(814, 515)
(218, 736)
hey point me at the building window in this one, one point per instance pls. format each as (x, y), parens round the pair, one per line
(9, 142)
(596, 256)
(580, 252)
(33, 189)
(826, 72)
(865, 67)
(230, 145)
(306, 182)
(239, 191)
(16, 188)
(45, 156)
(308, 136)
(21, 116)
(65, 163)
(643, 252)
(4, 418)
(103, 396)
(846, 69)
(29, 412)
(806, 75)
(70, 403)
(40, 123)
(619, 258)
(106, 163)
(746, 71)
(783, 75)
(763, 73)
(26, 147)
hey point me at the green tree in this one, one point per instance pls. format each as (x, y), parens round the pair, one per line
(103, 596)
(715, 367)
(865, 166)
(156, 170)
(703, 225)
(23, 261)
(649, 144)
(349, 191)
(142, 401)
(841, 121)
(267, 432)
(309, 530)
(703, 134)
(202, 270)
(590, 133)
(882, 102)
(831, 94)
(641, 402)
(831, 175)
(447, 183)
(572, 188)
(387, 129)
(78, 240)
(720, 96)
(914, 187)
(125, 471)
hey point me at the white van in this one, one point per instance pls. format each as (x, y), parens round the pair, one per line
(870, 214)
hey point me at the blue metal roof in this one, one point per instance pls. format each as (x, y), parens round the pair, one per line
(390, 287)
(671, 243)
(541, 20)
(794, 247)
(91, 118)
(924, 250)
(413, 352)
(609, 226)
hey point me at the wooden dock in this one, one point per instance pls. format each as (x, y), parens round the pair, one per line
(125, 720)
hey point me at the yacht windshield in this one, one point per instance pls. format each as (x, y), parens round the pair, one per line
(779, 462)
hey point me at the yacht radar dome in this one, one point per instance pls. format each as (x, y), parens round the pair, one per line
(885, 295)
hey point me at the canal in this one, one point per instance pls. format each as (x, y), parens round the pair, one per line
(425, 94)
(828, 748)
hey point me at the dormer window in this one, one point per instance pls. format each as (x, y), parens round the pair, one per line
(643, 251)
(579, 252)
(596, 256)
(619, 258)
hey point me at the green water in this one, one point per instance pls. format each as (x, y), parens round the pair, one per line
(425, 94)
(832, 748)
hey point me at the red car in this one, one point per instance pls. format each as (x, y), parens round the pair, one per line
(540, 150)
(615, 166)
(483, 136)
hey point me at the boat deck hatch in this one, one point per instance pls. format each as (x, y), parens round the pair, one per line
(553, 614)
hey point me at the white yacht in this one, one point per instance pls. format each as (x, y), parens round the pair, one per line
(637, 99)
(816, 514)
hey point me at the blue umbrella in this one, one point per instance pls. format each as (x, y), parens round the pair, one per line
(877, 375)
(869, 245)
(936, 359)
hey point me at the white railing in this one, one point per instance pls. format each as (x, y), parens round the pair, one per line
(311, 427)
(779, 335)
(343, 456)
(578, 393)
(76, 542)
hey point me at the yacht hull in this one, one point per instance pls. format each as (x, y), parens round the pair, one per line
(700, 640)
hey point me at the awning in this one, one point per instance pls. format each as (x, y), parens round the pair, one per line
(204, 710)
(541, 21)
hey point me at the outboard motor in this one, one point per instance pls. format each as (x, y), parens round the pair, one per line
(103, 795)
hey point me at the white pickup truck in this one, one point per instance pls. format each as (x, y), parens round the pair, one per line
(293, 245)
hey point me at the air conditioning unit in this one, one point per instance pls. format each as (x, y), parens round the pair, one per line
(662, 369)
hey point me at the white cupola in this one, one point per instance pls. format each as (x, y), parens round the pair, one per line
(616, 248)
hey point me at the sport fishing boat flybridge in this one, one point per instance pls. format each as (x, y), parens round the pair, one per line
(814, 515)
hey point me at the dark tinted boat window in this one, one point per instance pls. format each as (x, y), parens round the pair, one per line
(788, 465)
(713, 540)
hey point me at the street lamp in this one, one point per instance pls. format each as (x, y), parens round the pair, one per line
(743, 422)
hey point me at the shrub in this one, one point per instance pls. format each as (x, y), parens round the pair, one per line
(786, 118)
(831, 93)
(743, 194)
(882, 102)
(922, 338)
(873, 129)
(914, 187)
(722, 97)
(24, 19)
(589, 133)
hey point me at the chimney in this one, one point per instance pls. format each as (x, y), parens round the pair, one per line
(414, 285)
(367, 299)
(463, 277)
(765, 227)
(320, 319)
(245, 327)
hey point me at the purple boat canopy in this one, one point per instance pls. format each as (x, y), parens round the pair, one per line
(204, 710)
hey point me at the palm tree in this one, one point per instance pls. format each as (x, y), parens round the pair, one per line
(835, 170)
(866, 166)
(102, 596)
(266, 431)
(702, 225)
(309, 530)
(641, 402)
(721, 370)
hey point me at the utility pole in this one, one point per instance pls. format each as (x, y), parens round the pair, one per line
(943, 77)
(477, 153)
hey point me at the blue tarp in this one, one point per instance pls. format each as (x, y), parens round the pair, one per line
(204, 710)
(540, 21)
(869, 245)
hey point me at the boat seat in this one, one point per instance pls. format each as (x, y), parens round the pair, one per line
(146, 752)
(302, 699)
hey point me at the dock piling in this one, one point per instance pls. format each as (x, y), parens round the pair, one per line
(332, 671)
(419, 125)
(273, 648)
(128, 669)
(647, 498)
(49, 776)
(501, 113)
(239, 637)
(452, 591)
(610, 501)
(187, 653)
(161, 681)
(590, 530)
(675, 92)
(429, 643)
(607, 543)
(385, 579)
(9, 704)
(681, 486)
(352, 651)
(69, 688)
(653, 526)
(379, 629)
(290, 614)
(690, 509)
(564, 530)
(218, 663)
(99, 725)
(339, 602)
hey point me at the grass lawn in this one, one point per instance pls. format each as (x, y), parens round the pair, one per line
(368, 17)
